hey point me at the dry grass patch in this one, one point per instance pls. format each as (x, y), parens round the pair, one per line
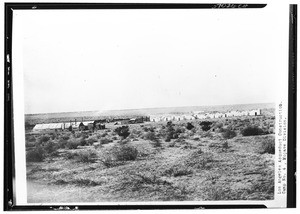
(178, 170)
(267, 145)
(199, 160)
(150, 186)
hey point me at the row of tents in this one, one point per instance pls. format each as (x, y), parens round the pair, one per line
(200, 115)
(88, 125)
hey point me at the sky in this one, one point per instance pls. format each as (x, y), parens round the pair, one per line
(84, 60)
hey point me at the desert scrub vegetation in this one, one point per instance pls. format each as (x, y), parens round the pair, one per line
(43, 139)
(218, 125)
(221, 146)
(50, 147)
(189, 126)
(85, 156)
(39, 152)
(194, 164)
(73, 143)
(151, 184)
(62, 143)
(261, 188)
(65, 136)
(177, 170)
(228, 133)
(138, 179)
(123, 141)
(223, 192)
(105, 140)
(30, 138)
(136, 132)
(267, 146)
(149, 128)
(92, 139)
(225, 145)
(206, 134)
(124, 153)
(153, 138)
(252, 131)
(118, 154)
(83, 135)
(205, 125)
(171, 132)
(123, 131)
(150, 136)
(35, 155)
(30, 141)
(78, 182)
(199, 160)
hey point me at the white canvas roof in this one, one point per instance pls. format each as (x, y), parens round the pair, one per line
(59, 125)
(87, 122)
(48, 126)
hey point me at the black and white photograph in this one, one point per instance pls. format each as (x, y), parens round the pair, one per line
(151, 105)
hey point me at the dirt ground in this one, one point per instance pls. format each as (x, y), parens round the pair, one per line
(196, 165)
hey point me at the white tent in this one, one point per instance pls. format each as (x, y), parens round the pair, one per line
(50, 126)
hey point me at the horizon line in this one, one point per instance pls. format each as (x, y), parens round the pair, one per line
(132, 109)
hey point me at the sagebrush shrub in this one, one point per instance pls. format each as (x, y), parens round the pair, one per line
(91, 140)
(178, 170)
(104, 134)
(189, 126)
(43, 139)
(207, 134)
(219, 125)
(108, 161)
(35, 155)
(205, 125)
(123, 131)
(267, 146)
(53, 136)
(228, 134)
(81, 135)
(83, 142)
(30, 144)
(62, 143)
(179, 130)
(30, 139)
(124, 141)
(151, 136)
(146, 129)
(65, 137)
(124, 153)
(199, 160)
(73, 143)
(50, 147)
(87, 156)
(225, 145)
(168, 138)
(136, 132)
(105, 140)
(171, 144)
(71, 155)
(157, 143)
(169, 123)
(171, 133)
(97, 145)
(251, 131)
